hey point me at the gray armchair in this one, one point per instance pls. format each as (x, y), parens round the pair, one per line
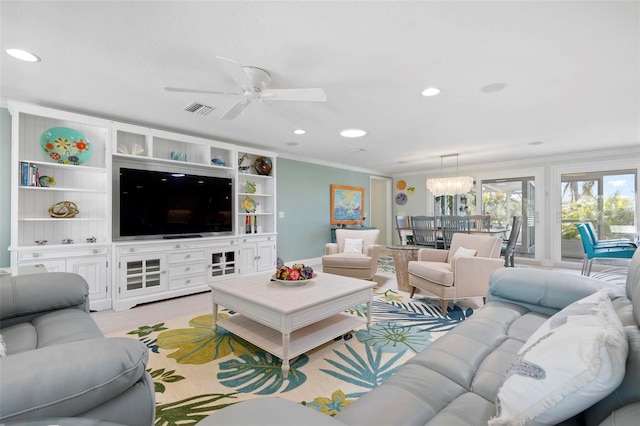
(59, 364)
(354, 254)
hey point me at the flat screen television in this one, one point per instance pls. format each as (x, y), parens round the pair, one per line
(165, 204)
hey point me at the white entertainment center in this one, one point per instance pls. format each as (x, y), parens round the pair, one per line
(125, 271)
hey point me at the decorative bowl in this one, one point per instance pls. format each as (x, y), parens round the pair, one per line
(263, 166)
(293, 283)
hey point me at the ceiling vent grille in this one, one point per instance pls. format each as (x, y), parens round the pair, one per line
(198, 108)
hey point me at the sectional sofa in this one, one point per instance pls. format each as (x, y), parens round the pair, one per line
(57, 364)
(547, 348)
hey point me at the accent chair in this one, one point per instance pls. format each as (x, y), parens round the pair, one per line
(460, 272)
(354, 254)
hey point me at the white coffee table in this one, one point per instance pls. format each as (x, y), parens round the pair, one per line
(287, 321)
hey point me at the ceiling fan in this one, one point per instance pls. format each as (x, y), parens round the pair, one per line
(254, 82)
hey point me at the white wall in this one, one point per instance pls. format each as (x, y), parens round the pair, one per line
(547, 172)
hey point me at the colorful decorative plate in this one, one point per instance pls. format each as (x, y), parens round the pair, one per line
(66, 146)
(250, 188)
(401, 185)
(249, 204)
(401, 199)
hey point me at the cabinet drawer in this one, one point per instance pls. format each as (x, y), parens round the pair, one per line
(187, 281)
(186, 256)
(186, 269)
(61, 253)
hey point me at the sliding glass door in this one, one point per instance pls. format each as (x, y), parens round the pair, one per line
(504, 198)
(606, 199)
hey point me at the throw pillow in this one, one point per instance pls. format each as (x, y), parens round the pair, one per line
(461, 252)
(353, 245)
(3, 347)
(576, 358)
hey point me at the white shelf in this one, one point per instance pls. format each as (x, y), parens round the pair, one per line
(301, 341)
(66, 166)
(254, 176)
(146, 160)
(60, 189)
(254, 194)
(59, 219)
(255, 214)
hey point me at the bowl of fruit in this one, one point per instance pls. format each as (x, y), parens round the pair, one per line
(298, 274)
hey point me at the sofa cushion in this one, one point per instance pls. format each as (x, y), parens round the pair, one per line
(572, 361)
(437, 272)
(353, 245)
(347, 260)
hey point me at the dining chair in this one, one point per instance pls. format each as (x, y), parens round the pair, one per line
(450, 225)
(425, 232)
(403, 223)
(481, 222)
(509, 245)
(592, 252)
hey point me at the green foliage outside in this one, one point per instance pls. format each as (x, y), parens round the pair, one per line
(615, 211)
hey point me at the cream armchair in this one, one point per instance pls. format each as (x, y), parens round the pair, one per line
(354, 254)
(458, 273)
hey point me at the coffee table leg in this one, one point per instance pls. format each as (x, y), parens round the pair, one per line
(214, 323)
(285, 354)
(369, 315)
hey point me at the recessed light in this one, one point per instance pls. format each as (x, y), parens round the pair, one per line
(352, 133)
(299, 132)
(430, 91)
(23, 55)
(492, 88)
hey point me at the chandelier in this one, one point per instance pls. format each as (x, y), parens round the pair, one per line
(449, 185)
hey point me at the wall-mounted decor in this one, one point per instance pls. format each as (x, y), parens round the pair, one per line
(65, 145)
(347, 205)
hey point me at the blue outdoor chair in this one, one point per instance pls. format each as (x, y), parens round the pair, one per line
(603, 252)
(624, 242)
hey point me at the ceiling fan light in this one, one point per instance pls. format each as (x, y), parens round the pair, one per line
(352, 133)
(430, 91)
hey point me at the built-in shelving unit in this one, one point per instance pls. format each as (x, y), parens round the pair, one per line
(122, 274)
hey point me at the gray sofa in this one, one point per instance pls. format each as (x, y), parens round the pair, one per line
(58, 364)
(456, 379)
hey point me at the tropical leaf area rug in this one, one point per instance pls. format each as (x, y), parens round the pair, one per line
(196, 373)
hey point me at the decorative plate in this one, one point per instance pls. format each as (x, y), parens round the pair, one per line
(401, 185)
(249, 204)
(250, 188)
(263, 166)
(292, 283)
(66, 146)
(401, 199)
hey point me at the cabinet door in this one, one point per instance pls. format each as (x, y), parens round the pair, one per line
(94, 270)
(54, 265)
(223, 262)
(249, 258)
(142, 274)
(266, 260)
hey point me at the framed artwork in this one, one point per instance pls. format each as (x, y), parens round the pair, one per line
(347, 204)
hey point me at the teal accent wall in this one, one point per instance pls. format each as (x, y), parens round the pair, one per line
(304, 195)
(5, 187)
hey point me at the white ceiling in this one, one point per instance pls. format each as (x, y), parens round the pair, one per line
(571, 69)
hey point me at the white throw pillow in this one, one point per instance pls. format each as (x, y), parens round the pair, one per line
(576, 358)
(3, 347)
(353, 245)
(461, 252)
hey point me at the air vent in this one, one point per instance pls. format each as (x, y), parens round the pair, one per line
(198, 108)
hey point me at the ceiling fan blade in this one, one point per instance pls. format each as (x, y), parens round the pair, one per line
(235, 71)
(185, 90)
(286, 113)
(235, 109)
(304, 95)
